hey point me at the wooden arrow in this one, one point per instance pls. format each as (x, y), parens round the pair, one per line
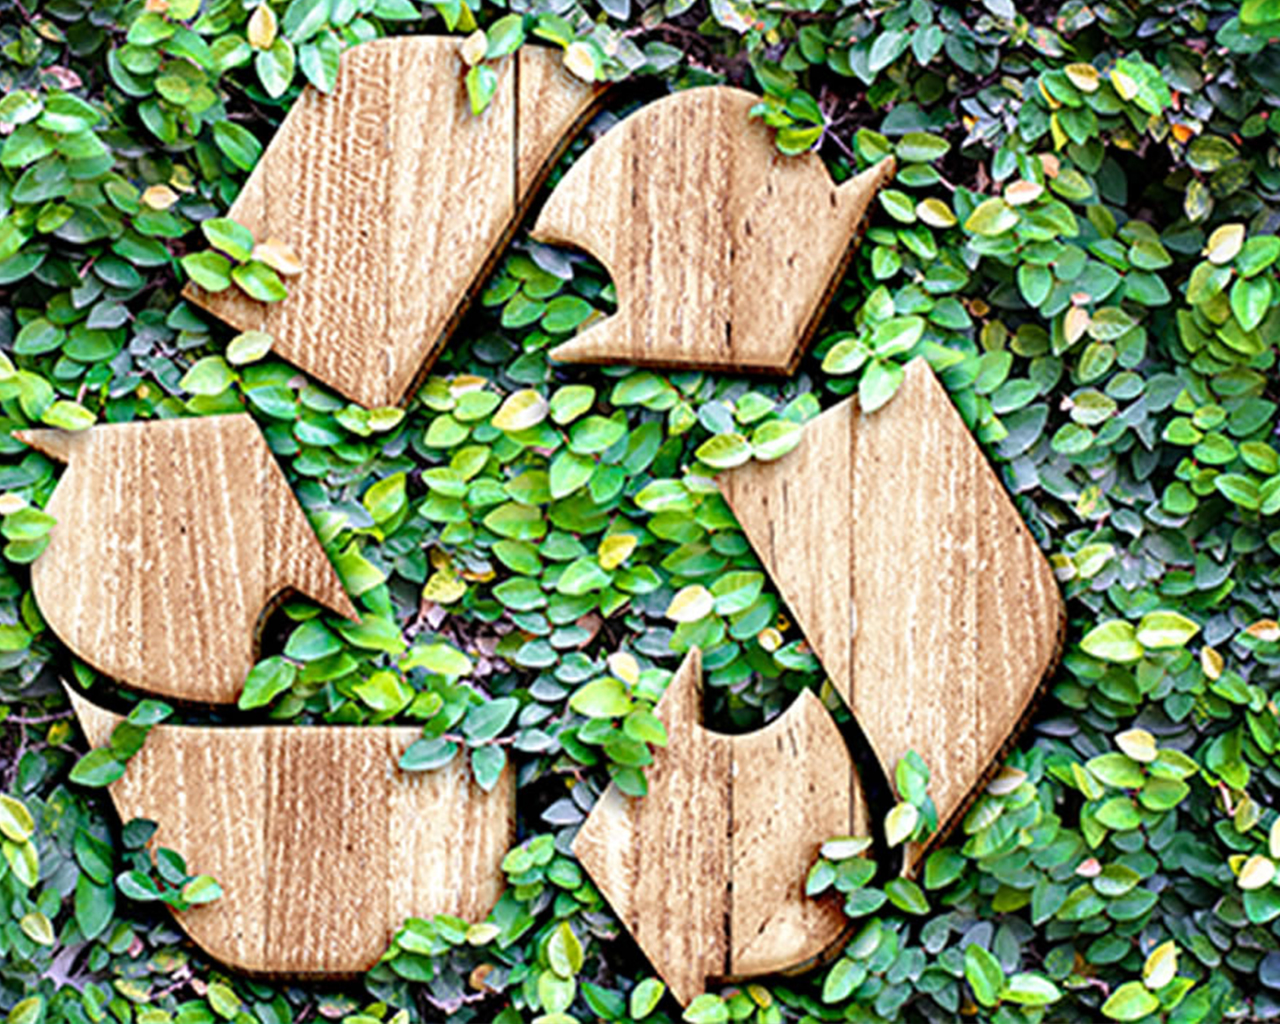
(707, 872)
(321, 844)
(172, 539)
(398, 200)
(913, 577)
(723, 251)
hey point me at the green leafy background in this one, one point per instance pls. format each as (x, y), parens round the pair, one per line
(1080, 238)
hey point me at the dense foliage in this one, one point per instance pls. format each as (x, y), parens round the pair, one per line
(1080, 238)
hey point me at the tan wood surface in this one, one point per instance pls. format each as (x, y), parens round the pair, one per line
(707, 872)
(723, 251)
(397, 200)
(321, 844)
(172, 539)
(914, 579)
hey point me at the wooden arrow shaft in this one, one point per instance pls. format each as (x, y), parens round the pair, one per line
(321, 844)
(707, 871)
(172, 537)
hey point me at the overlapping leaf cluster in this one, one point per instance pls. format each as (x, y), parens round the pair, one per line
(1079, 237)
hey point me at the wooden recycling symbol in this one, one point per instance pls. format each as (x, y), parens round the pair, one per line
(889, 535)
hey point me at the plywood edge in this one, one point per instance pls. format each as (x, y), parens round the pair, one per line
(96, 722)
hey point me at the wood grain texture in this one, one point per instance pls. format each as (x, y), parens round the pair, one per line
(723, 251)
(914, 579)
(321, 844)
(707, 872)
(172, 539)
(398, 200)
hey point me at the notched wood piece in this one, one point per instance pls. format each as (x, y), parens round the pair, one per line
(398, 201)
(723, 251)
(321, 844)
(913, 577)
(707, 872)
(172, 539)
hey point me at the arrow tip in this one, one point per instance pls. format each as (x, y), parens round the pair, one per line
(56, 444)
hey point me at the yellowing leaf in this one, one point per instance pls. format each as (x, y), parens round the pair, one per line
(1124, 84)
(16, 822)
(1022, 192)
(10, 503)
(1084, 77)
(1266, 630)
(624, 666)
(1256, 872)
(1075, 323)
(935, 213)
(1211, 662)
(521, 410)
(1006, 781)
(615, 549)
(581, 61)
(465, 383)
(159, 197)
(769, 639)
(262, 27)
(278, 256)
(1090, 868)
(1273, 839)
(691, 604)
(37, 928)
(479, 934)
(1161, 966)
(443, 588)
(473, 48)
(249, 347)
(900, 822)
(1138, 744)
(1225, 243)
(1162, 629)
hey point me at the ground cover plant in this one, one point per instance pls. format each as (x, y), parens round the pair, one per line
(1081, 238)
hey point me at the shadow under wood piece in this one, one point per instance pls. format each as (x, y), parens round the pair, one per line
(397, 199)
(321, 844)
(707, 872)
(172, 539)
(724, 252)
(914, 579)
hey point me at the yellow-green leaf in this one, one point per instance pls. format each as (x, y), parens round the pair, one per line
(1161, 966)
(1256, 872)
(521, 410)
(1138, 744)
(1225, 243)
(37, 928)
(1162, 629)
(615, 549)
(900, 822)
(691, 604)
(15, 820)
(935, 213)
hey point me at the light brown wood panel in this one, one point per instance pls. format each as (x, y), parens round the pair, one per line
(321, 844)
(945, 617)
(723, 251)
(707, 872)
(398, 200)
(172, 539)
